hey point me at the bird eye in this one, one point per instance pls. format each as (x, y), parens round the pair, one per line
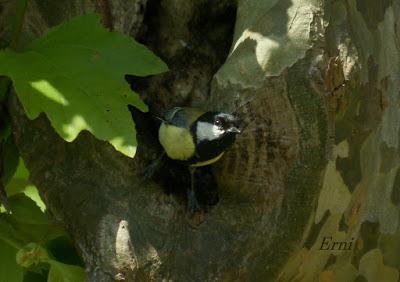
(218, 122)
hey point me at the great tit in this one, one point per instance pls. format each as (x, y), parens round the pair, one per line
(196, 138)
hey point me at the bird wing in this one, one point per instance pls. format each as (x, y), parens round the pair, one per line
(185, 117)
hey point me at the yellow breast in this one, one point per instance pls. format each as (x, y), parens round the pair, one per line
(177, 142)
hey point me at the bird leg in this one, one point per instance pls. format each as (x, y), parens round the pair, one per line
(193, 204)
(153, 167)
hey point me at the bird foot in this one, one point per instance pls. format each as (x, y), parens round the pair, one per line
(195, 219)
(193, 203)
(153, 168)
(195, 214)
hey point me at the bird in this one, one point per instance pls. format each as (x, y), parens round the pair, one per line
(196, 138)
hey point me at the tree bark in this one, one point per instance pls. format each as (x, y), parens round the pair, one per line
(317, 84)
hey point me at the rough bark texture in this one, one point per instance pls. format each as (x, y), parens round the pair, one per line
(318, 85)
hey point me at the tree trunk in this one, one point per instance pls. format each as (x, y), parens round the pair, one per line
(317, 84)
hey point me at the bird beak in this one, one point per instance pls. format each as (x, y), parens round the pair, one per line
(234, 130)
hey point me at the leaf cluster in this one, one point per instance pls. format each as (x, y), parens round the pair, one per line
(32, 246)
(74, 74)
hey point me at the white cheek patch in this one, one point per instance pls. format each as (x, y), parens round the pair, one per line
(208, 131)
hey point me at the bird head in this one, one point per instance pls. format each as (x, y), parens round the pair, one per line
(212, 126)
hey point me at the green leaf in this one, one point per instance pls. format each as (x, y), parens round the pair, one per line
(11, 234)
(26, 224)
(20, 184)
(18, 234)
(34, 254)
(10, 271)
(32, 192)
(60, 272)
(22, 172)
(75, 74)
(25, 210)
